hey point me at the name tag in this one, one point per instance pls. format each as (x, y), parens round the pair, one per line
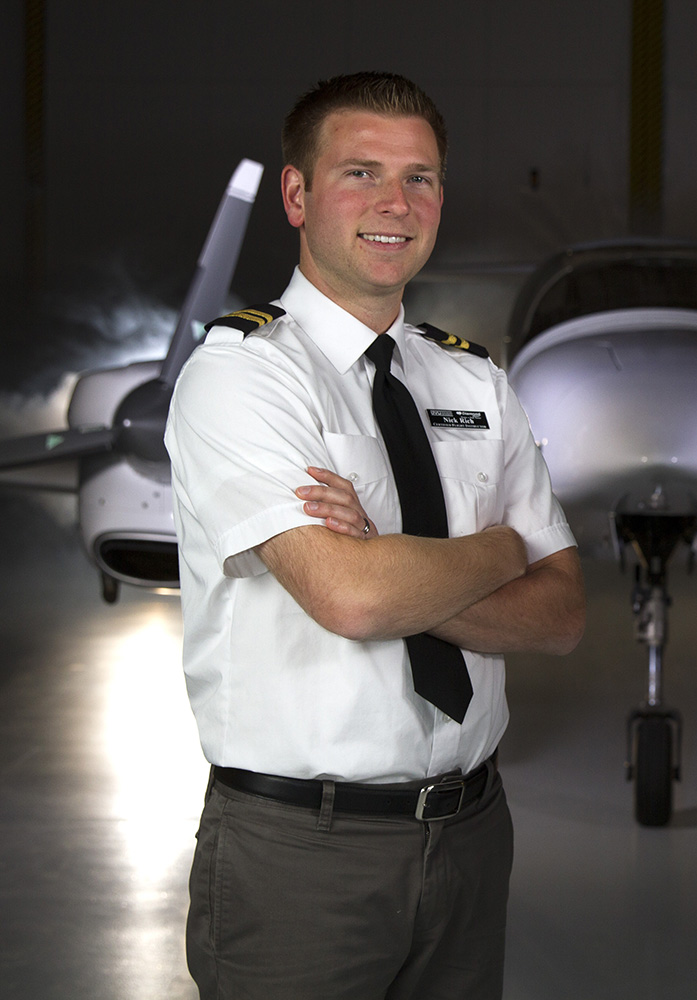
(472, 419)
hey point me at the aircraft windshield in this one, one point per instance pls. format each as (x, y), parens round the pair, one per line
(588, 282)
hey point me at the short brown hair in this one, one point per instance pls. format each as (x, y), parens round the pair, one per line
(381, 93)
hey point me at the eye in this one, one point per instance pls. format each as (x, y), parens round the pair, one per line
(357, 172)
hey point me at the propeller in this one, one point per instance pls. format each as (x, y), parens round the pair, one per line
(139, 422)
(54, 446)
(215, 266)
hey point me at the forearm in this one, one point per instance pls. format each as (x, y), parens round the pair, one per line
(394, 585)
(543, 611)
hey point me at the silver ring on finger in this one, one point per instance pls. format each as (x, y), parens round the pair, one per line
(366, 528)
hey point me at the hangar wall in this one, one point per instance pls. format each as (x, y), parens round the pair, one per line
(147, 109)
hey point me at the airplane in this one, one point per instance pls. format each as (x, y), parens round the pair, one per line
(602, 353)
(112, 452)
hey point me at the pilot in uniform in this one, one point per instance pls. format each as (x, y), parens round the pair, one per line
(282, 870)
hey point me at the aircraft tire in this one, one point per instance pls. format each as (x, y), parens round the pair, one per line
(653, 772)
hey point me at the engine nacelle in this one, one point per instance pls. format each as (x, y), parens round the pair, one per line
(125, 501)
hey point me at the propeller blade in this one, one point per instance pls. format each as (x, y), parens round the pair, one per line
(215, 266)
(54, 446)
(53, 477)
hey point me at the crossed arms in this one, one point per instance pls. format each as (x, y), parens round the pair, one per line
(476, 591)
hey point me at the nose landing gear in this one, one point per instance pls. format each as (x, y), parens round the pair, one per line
(654, 732)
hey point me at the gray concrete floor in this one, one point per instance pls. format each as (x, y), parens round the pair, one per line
(601, 908)
(101, 780)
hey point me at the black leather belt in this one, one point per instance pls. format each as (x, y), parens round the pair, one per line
(437, 799)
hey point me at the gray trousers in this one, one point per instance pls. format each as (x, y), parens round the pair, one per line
(289, 904)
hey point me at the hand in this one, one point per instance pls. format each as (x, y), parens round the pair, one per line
(337, 503)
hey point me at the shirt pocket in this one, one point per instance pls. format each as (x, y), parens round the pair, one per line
(359, 458)
(472, 472)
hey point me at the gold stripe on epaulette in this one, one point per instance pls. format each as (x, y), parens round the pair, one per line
(248, 320)
(450, 340)
(253, 315)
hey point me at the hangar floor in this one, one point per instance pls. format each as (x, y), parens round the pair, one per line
(97, 836)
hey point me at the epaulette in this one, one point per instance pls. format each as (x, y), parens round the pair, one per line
(450, 340)
(248, 320)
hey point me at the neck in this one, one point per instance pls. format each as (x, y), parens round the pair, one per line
(378, 320)
(376, 311)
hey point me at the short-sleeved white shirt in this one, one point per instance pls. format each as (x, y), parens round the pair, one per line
(273, 691)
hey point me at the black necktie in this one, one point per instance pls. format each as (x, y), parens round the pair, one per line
(438, 668)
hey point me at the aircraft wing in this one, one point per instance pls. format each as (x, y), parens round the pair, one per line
(215, 266)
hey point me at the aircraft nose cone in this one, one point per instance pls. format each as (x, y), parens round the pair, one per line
(140, 422)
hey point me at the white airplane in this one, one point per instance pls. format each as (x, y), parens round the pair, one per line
(602, 352)
(112, 453)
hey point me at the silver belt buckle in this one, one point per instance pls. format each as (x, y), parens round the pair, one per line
(440, 801)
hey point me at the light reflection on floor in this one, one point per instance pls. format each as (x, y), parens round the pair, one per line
(151, 746)
(101, 784)
(102, 778)
(146, 717)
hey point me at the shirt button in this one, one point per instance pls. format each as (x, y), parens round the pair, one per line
(482, 477)
(353, 476)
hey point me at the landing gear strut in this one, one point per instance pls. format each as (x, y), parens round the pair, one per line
(654, 732)
(110, 588)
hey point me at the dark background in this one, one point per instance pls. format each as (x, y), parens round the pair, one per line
(139, 111)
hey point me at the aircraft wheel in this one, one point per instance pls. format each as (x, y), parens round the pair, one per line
(653, 771)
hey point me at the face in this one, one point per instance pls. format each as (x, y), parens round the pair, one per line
(369, 222)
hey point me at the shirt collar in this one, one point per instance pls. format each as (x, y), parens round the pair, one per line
(339, 335)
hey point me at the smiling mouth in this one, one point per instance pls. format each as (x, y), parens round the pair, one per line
(374, 238)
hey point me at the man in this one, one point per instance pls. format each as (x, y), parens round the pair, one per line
(327, 865)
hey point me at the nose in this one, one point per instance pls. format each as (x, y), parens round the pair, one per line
(392, 198)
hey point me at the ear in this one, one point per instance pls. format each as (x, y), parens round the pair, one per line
(293, 189)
